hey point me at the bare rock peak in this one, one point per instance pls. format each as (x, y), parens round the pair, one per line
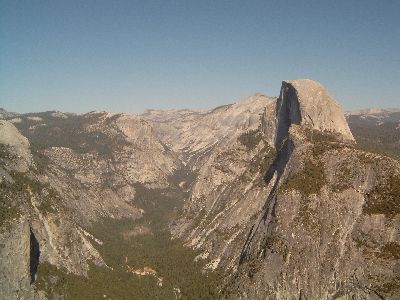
(307, 102)
(19, 145)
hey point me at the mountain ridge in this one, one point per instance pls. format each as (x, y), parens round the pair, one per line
(254, 186)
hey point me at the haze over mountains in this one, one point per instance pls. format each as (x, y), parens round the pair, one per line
(269, 198)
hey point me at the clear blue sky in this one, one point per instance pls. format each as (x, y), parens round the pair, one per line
(126, 56)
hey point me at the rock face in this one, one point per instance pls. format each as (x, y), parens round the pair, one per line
(307, 102)
(318, 210)
(19, 146)
(194, 135)
(84, 168)
(306, 233)
(16, 266)
(151, 162)
(280, 198)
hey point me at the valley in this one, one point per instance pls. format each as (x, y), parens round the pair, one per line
(279, 197)
(171, 270)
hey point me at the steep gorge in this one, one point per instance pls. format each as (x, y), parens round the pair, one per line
(314, 201)
(271, 193)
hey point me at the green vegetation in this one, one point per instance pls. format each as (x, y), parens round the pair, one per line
(251, 138)
(384, 198)
(343, 178)
(263, 161)
(307, 216)
(317, 136)
(5, 154)
(46, 197)
(362, 241)
(223, 233)
(185, 174)
(9, 204)
(173, 262)
(259, 164)
(48, 200)
(71, 133)
(308, 181)
(392, 287)
(9, 208)
(197, 218)
(13, 195)
(41, 161)
(277, 245)
(323, 141)
(312, 178)
(390, 251)
(254, 266)
(379, 138)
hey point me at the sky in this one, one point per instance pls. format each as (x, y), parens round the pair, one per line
(126, 56)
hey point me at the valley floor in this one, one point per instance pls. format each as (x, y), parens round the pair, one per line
(143, 261)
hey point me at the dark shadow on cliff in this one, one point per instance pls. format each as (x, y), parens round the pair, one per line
(34, 256)
(280, 162)
(287, 113)
(278, 167)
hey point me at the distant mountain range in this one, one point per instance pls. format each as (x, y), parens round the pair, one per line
(268, 198)
(377, 129)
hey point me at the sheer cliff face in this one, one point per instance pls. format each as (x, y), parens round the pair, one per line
(313, 229)
(18, 145)
(83, 169)
(15, 264)
(281, 199)
(307, 102)
(322, 234)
